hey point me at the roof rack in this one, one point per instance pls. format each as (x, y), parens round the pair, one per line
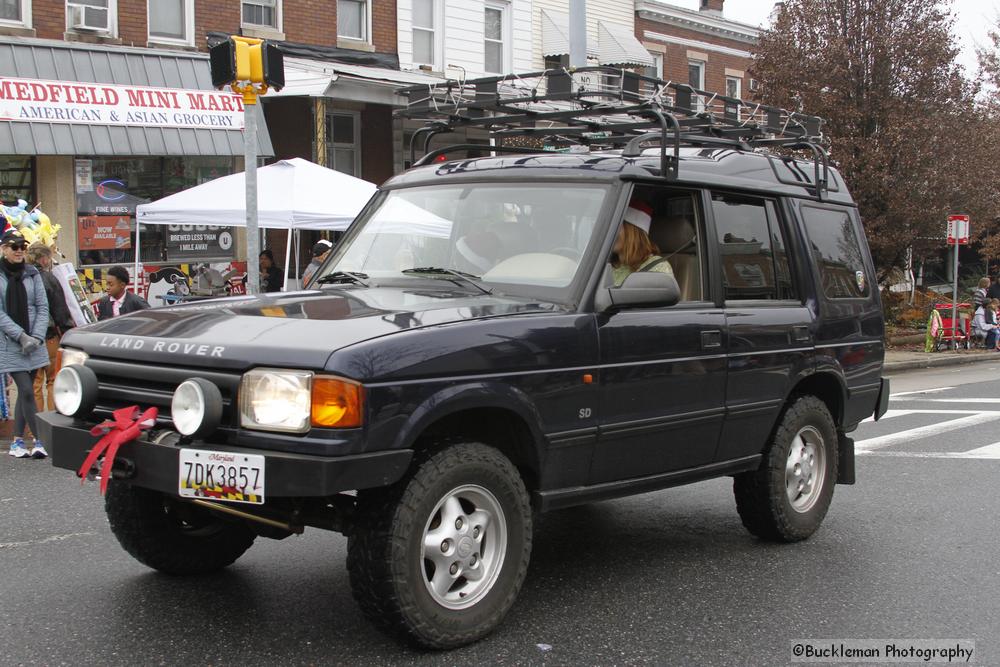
(609, 108)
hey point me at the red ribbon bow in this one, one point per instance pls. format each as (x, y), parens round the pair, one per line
(126, 427)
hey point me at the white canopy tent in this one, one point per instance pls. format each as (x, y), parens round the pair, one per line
(291, 194)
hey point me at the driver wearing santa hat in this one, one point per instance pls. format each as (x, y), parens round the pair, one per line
(634, 250)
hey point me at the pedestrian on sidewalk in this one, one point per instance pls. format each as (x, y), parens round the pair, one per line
(979, 297)
(60, 321)
(24, 318)
(320, 252)
(984, 325)
(994, 291)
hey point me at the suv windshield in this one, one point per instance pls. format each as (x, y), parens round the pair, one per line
(522, 239)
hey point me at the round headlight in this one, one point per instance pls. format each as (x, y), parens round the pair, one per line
(74, 390)
(196, 408)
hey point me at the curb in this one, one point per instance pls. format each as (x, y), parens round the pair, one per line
(933, 362)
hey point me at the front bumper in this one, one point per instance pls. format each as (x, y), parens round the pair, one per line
(155, 466)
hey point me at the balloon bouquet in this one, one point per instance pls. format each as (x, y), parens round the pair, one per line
(34, 226)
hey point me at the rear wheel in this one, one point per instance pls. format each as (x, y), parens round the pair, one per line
(788, 496)
(170, 535)
(439, 557)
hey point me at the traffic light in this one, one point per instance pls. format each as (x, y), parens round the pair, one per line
(242, 60)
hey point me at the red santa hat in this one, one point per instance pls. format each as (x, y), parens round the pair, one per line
(640, 214)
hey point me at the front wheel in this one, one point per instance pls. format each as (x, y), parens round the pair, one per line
(171, 535)
(440, 557)
(788, 496)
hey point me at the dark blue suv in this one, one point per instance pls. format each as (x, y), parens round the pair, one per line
(470, 354)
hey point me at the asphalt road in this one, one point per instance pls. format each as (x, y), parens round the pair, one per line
(665, 578)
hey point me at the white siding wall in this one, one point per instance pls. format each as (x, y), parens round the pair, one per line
(614, 11)
(463, 34)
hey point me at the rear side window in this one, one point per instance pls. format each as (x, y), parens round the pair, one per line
(752, 249)
(836, 252)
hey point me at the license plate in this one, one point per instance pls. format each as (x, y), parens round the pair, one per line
(224, 476)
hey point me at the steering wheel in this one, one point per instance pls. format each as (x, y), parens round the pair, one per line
(568, 252)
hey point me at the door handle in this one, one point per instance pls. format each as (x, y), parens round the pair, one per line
(711, 339)
(800, 334)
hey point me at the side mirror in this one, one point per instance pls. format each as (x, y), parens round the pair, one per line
(647, 289)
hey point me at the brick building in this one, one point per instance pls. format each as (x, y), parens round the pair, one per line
(699, 47)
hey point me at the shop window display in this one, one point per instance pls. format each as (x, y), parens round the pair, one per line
(186, 260)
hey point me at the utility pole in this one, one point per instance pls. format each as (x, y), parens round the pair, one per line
(577, 33)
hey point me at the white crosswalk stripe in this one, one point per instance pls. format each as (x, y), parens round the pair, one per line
(987, 452)
(909, 435)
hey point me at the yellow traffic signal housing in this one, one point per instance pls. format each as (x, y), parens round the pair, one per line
(249, 60)
(244, 61)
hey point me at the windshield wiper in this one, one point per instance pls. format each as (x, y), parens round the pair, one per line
(344, 277)
(462, 276)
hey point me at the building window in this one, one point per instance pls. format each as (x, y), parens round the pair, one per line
(424, 46)
(87, 16)
(17, 179)
(261, 13)
(15, 13)
(343, 150)
(352, 19)
(734, 89)
(696, 79)
(656, 70)
(171, 21)
(496, 38)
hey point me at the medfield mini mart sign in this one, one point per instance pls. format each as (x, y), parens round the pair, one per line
(31, 100)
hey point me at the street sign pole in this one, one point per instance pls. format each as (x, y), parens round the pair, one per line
(250, 172)
(954, 303)
(958, 234)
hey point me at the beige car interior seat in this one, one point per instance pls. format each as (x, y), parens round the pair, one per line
(677, 239)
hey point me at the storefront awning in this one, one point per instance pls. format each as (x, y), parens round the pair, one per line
(357, 83)
(617, 45)
(42, 113)
(555, 35)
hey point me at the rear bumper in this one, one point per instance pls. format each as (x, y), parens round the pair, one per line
(155, 466)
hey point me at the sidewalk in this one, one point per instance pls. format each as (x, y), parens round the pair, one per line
(904, 360)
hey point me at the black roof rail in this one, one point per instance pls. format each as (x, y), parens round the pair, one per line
(610, 108)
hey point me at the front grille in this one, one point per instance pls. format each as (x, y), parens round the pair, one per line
(124, 383)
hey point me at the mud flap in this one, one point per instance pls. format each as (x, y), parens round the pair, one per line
(845, 459)
(882, 405)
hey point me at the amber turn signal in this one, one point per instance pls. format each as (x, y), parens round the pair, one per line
(337, 403)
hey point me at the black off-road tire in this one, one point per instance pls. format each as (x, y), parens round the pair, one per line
(761, 497)
(170, 535)
(386, 561)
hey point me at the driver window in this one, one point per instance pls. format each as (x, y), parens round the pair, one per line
(660, 232)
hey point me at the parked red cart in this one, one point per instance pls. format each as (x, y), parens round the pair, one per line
(955, 333)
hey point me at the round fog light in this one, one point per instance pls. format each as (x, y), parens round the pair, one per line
(196, 408)
(74, 390)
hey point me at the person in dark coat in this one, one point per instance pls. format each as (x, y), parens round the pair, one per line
(272, 279)
(24, 318)
(60, 321)
(119, 300)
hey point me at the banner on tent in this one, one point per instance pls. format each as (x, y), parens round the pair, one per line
(198, 241)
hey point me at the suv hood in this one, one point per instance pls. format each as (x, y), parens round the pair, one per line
(295, 329)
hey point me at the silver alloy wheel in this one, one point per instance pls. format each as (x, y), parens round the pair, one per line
(464, 544)
(805, 469)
